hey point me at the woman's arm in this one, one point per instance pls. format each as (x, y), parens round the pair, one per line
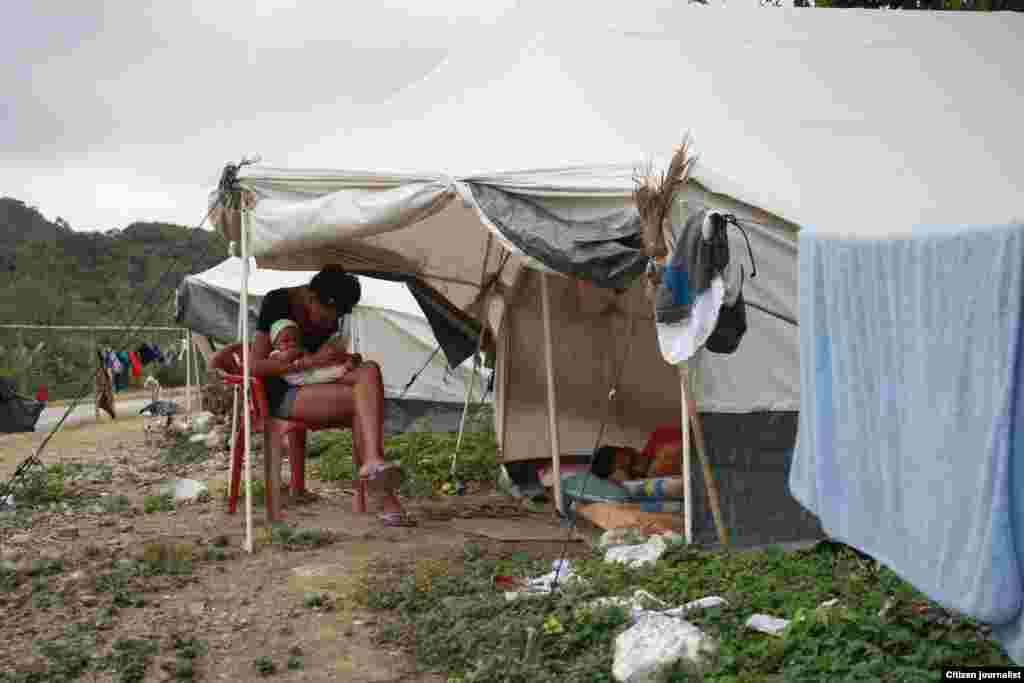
(259, 362)
(334, 351)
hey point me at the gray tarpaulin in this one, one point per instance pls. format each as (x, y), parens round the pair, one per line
(606, 250)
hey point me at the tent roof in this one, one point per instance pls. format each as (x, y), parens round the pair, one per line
(849, 122)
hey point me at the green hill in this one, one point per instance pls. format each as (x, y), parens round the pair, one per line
(52, 275)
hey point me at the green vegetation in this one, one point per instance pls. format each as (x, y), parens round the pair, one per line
(265, 666)
(52, 275)
(292, 537)
(456, 622)
(425, 456)
(160, 502)
(182, 451)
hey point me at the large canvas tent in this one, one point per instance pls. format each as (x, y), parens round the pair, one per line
(387, 326)
(860, 132)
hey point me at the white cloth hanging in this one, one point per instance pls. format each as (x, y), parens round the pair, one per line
(679, 341)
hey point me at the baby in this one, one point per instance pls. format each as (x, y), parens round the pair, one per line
(287, 341)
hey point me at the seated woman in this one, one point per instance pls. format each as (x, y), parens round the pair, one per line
(355, 400)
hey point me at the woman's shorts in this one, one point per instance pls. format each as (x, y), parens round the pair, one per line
(284, 410)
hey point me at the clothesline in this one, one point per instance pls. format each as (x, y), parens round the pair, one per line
(93, 327)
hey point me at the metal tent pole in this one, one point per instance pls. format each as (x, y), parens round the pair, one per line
(245, 381)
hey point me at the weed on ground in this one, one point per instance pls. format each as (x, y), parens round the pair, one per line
(426, 457)
(456, 622)
(182, 451)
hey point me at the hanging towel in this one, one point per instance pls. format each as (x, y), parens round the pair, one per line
(910, 376)
(136, 365)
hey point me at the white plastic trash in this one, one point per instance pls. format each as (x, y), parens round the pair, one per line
(185, 489)
(637, 555)
(767, 624)
(656, 642)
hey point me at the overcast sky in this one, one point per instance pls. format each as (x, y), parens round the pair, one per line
(114, 112)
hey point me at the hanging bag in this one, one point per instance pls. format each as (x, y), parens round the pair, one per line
(732, 320)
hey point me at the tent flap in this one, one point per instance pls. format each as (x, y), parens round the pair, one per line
(605, 250)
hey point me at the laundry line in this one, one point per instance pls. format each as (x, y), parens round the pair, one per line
(191, 361)
(94, 327)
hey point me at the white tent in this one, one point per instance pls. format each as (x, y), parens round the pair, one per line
(855, 128)
(387, 326)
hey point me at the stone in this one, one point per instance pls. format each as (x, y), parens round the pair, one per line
(88, 600)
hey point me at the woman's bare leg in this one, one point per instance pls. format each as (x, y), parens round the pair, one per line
(356, 401)
(359, 501)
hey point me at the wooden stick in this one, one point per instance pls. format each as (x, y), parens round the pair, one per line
(709, 480)
(556, 454)
(687, 483)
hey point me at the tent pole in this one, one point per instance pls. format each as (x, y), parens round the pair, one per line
(234, 406)
(245, 382)
(684, 379)
(188, 374)
(709, 481)
(556, 453)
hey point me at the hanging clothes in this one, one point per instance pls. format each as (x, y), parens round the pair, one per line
(146, 354)
(160, 357)
(121, 378)
(104, 388)
(114, 363)
(136, 365)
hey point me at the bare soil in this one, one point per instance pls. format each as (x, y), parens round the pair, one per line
(244, 606)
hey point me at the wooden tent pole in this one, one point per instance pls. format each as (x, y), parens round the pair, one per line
(687, 481)
(556, 453)
(709, 481)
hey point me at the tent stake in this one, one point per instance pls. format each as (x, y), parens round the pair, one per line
(684, 378)
(556, 453)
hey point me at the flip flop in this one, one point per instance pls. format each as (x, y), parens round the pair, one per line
(383, 478)
(397, 519)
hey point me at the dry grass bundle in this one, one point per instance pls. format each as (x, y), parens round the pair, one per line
(654, 195)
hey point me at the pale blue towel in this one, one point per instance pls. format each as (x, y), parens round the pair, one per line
(908, 445)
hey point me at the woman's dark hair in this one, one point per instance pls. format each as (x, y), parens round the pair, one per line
(335, 287)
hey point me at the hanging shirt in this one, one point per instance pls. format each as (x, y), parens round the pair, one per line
(136, 365)
(145, 354)
(114, 363)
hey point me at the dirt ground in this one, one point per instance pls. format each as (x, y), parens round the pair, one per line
(243, 606)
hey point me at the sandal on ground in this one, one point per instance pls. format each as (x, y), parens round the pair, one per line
(383, 478)
(397, 519)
